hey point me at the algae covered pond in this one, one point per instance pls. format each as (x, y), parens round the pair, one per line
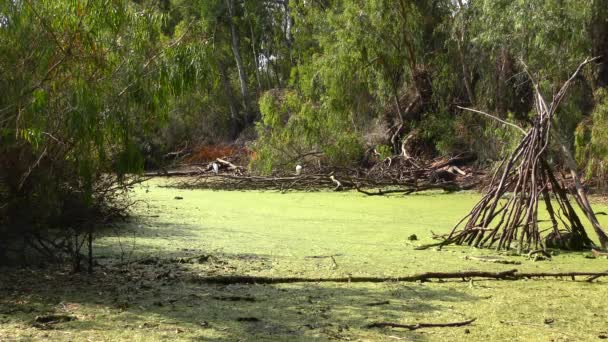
(178, 236)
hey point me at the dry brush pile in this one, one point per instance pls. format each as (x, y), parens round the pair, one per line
(397, 174)
(507, 216)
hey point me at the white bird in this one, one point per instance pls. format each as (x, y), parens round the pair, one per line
(298, 170)
(337, 182)
(216, 168)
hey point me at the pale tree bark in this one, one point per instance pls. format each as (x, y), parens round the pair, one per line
(462, 45)
(237, 58)
(465, 71)
(288, 25)
(256, 60)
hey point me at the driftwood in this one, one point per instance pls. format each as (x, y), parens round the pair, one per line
(420, 325)
(502, 275)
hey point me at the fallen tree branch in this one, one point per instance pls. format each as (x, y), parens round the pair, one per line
(401, 175)
(30, 169)
(572, 275)
(384, 192)
(592, 278)
(407, 190)
(322, 256)
(227, 280)
(228, 164)
(503, 275)
(420, 325)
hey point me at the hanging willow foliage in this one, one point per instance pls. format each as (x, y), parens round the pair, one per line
(81, 82)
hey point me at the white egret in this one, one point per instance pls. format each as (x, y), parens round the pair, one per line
(298, 170)
(216, 168)
(337, 182)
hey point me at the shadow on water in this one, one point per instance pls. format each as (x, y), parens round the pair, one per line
(158, 292)
(146, 228)
(164, 296)
(140, 237)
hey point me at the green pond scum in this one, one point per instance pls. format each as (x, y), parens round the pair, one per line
(147, 286)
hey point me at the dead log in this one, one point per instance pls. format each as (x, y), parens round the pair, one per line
(227, 164)
(531, 275)
(502, 275)
(383, 302)
(445, 186)
(401, 175)
(175, 173)
(594, 277)
(420, 325)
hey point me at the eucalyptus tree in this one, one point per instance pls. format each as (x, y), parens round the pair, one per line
(356, 63)
(246, 46)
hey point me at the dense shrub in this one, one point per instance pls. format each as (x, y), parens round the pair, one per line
(81, 85)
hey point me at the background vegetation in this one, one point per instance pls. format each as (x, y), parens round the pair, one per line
(332, 79)
(91, 91)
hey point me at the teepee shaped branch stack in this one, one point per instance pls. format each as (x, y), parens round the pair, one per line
(507, 215)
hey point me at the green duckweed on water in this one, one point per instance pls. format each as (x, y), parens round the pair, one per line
(171, 241)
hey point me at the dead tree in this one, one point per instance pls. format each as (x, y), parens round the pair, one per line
(507, 215)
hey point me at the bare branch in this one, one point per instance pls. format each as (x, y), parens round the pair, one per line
(495, 118)
(557, 99)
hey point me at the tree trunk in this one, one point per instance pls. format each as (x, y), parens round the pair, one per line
(239, 60)
(288, 23)
(462, 45)
(234, 113)
(466, 74)
(502, 75)
(288, 27)
(599, 39)
(90, 248)
(256, 60)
